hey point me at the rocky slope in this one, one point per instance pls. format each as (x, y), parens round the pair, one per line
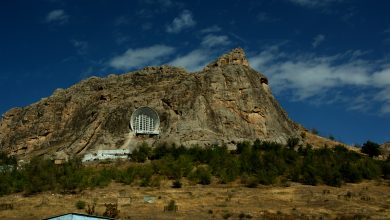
(226, 102)
(385, 150)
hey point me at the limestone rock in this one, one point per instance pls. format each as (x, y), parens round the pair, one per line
(225, 103)
(235, 57)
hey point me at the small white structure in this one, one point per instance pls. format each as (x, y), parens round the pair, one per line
(145, 120)
(107, 154)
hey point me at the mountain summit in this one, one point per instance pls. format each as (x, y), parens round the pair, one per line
(236, 56)
(225, 103)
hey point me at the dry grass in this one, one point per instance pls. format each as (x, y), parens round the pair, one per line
(318, 142)
(215, 201)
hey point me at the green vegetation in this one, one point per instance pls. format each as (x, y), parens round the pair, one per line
(371, 148)
(260, 162)
(7, 160)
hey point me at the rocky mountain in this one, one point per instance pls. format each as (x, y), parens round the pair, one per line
(226, 102)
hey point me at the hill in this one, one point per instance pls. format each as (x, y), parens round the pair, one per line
(225, 103)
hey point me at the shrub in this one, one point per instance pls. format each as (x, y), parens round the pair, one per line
(242, 147)
(171, 168)
(369, 168)
(309, 175)
(201, 175)
(243, 215)
(80, 204)
(351, 172)
(91, 208)
(371, 148)
(176, 184)
(171, 207)
(7, 160)
(227, 215)
(251, 182)
(257, 144)
(160, 151)
(111, 210)
(386, 169)
(127, 176)
(266, 177)
(141, 153)
(292, 142)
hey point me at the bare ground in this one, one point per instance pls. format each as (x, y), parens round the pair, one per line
(370, 199)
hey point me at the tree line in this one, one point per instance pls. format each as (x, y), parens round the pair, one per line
(259, 162)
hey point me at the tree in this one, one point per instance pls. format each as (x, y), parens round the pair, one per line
(142, 153)
(292, 142)
(371, 148)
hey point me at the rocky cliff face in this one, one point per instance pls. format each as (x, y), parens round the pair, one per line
(227, 102)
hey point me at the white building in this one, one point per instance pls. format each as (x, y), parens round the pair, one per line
(107, 154)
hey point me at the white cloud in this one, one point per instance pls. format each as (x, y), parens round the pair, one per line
(198, 58)
(314, 3)
(194, 60)
(318, 40)
(385, 109)
(212, 40)
(326, 78)
(382, 78)
(212, 29)
(58, 16)
(133, 58)
(183, 21)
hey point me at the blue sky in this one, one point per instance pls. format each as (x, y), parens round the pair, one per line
(328, 61)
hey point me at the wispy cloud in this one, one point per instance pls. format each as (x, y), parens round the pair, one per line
(122, 20)
(194, 60)
(212, 29)
(212, 40)
(161, 3)
(138, 57)
(81, 46)
(57, 16)
(198, 58)
(265, 17)
(183, 21)
(312, 77)
(318, 40)
(121, 38)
